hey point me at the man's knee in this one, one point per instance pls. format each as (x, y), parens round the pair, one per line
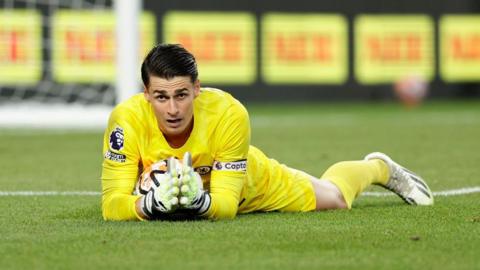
(328, 195)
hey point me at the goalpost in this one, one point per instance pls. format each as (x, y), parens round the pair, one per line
(66, 63)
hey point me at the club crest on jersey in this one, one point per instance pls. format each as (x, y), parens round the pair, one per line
(203, 170)
(237, 166)
(116, 139)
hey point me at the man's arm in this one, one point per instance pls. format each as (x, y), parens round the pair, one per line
(120, 168)
(225, 195)
(198, 202)
(118, 204)
(229, 170)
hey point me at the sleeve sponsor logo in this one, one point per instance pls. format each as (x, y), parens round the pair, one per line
(116, 139)
(237, 166)
(115, 157)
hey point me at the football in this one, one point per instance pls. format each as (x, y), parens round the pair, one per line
(153, 175)
(145, 179)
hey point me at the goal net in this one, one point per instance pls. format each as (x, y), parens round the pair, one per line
(64, 63)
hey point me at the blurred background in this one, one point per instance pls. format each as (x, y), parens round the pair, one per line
(60, 64)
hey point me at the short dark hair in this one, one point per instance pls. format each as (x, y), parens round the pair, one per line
(168, 61)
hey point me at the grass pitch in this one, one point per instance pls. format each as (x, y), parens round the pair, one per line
(439, 140)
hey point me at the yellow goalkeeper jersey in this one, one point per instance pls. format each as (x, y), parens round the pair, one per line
(239, 177)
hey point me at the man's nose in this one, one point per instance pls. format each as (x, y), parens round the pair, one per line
(172, 107)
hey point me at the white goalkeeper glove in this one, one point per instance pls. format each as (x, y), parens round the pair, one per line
(162, 198)
(192, 196)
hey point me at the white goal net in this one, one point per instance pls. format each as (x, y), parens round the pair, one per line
(63, 63)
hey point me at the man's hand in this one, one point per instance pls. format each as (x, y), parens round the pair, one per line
(163, 196)
(192, 196)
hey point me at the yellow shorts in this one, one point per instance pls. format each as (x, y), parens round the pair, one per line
(272, 186)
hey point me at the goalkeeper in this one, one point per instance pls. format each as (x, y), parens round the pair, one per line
(193, 146)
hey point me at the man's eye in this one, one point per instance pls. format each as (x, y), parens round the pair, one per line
(182, 96)
(161, 98)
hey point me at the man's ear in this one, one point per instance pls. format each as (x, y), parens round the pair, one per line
(146, 94)
(196, 88)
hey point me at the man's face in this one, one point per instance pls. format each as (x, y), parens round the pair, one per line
(172, 102)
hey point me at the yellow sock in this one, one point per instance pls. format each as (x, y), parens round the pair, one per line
(352, 177)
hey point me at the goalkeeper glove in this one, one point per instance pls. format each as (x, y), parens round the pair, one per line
(192, 196)
(162, 197)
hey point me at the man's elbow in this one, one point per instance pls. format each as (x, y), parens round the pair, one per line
(107, 211)
(225, 210)
(224, 215)
(113, 209)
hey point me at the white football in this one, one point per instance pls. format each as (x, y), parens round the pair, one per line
(150, 175)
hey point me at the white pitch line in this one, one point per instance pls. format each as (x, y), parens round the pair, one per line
(50, 193)
(450, 192)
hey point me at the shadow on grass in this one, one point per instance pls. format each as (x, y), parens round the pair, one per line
(91, 212)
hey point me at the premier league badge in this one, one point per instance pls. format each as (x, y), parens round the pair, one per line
(116, 139)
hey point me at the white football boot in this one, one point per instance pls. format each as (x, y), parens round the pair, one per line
(406, 184)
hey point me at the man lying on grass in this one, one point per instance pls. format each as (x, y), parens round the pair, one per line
(179, 150)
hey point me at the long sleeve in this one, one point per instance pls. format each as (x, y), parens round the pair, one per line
(120, 167)
(230, 164)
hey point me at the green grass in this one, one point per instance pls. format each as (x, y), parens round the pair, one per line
(439, 140)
